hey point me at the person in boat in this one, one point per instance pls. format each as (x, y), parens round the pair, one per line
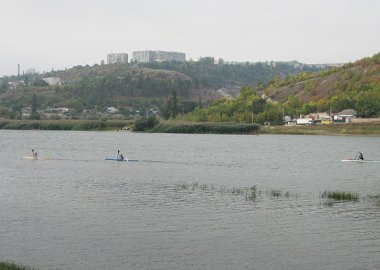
(120, 155)
(34, 154)
(359, 156)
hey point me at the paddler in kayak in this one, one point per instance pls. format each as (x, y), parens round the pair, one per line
(120, 155)
(359, 156)
(34, 154)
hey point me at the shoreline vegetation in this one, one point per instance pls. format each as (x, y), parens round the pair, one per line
(371, 129)
(206, 128)
(83, 125)
(13, 266)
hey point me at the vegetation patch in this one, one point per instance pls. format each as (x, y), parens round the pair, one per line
(206, 127)
(12, 266)
(145, 123)
(338, 129)
(341, 195)
(249, 193)
(64, 124)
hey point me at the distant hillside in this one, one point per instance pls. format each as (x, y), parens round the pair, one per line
(348, 80)
(141, 86)
(352, 86)
(233, 76)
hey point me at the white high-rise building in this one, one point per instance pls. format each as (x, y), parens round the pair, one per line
(158, 56)
(113, 58)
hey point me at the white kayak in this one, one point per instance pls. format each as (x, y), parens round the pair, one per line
(35, 158)
(31, 158)
(360, 160)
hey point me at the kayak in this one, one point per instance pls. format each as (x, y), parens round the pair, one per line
(119, 159)
(31, 158)
(360, 160)
(35, 158)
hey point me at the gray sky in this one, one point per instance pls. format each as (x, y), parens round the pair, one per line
(46, 34)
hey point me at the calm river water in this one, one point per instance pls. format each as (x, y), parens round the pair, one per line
(185, 205)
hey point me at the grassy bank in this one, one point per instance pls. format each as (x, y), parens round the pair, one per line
(205, 127)
(12, 266)
(234, 128)
(337, 129)
(64, 124)
(193, 127)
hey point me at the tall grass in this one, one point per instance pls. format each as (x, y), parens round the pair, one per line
(341, 195)
(63, 124)
(12, 266)
(206, 127)
(357, 128)
(275, 193)
(250, 193)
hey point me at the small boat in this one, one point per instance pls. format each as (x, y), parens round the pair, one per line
(31, 158)
(36, 158)
(119, 159)
(360, 160)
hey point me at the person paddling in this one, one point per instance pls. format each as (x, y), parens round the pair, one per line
(119, 155)
(34, 154)
(359, 156)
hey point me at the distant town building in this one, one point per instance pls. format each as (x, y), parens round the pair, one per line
(345, 116)
(347, 113)
(53, 80)
(15, 85)
(158, 56)
(112, 110)
(113, 58)
(26, 112)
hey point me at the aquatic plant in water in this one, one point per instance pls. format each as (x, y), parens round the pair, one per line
(340, 195)
(275, 192)
(12, 266)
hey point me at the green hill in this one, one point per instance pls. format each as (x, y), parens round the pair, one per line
(139, 86)
(352, 86)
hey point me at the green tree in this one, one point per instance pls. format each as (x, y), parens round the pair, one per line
(145, 123)
(170, 110)
(34, 114)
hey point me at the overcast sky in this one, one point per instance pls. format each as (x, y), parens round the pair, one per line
(55, 34)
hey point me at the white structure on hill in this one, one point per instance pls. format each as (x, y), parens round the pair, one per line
(53, 80)
(113, 58)
(158, 56)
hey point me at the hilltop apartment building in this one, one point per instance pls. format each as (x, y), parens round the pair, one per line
(158, 56)
(113, 58)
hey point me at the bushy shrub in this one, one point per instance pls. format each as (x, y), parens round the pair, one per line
(145, 123)
(216, 128)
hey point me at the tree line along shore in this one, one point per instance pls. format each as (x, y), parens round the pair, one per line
(151, 124)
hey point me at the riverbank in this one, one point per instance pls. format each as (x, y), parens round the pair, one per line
(369, 129)
(206, 127)
(87, 125)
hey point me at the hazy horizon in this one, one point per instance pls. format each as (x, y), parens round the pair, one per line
(52, 34)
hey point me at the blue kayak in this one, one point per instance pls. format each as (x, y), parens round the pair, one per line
(119, 159)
